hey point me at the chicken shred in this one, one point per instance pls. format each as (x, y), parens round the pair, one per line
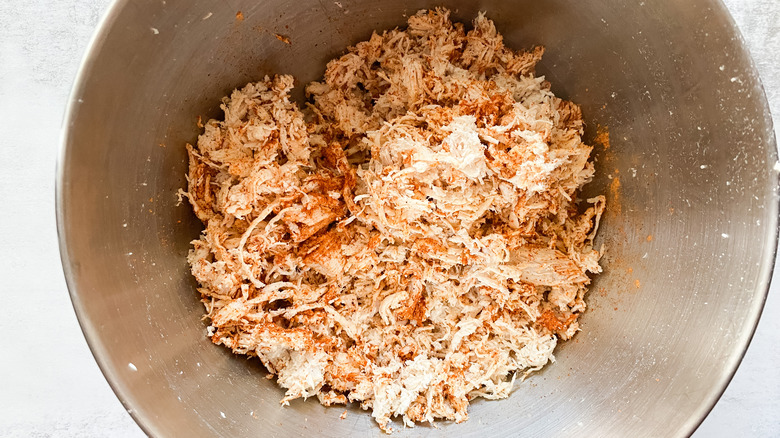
(410, 240)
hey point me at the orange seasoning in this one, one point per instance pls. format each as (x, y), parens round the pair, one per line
(550, 322)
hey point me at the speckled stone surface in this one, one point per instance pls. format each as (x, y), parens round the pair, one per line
(49, 383)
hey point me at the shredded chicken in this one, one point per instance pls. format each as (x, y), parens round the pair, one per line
(413, 238)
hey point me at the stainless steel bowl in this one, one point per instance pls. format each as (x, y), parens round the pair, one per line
(691, 144)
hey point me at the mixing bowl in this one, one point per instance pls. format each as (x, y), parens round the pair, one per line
(689, 171)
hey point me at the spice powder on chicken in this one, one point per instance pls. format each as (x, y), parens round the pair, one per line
(410, 240)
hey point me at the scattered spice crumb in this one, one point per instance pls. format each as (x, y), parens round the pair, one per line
(200, 122)
(637, 284)
(343, 415)
(240, 16)
(282, 38)
(649, 237)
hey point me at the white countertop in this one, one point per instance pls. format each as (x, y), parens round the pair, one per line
(49, 383)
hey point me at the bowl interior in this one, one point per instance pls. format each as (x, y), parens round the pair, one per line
(690, 229)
